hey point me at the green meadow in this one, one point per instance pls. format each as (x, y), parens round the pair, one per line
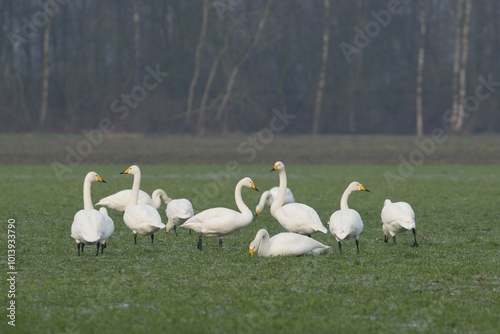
(451, 283)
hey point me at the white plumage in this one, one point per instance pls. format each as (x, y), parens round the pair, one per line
(89, 225)
(346, 223)
(142, 219)
(178, 211)
(119, 201)
(218, 222)
(294, 217)
(268, 196)
(396, 218)
(284, 244)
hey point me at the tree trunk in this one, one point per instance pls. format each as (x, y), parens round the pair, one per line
(234, 72)
(420, 69)
(199, 48)
(324, 65)
(45, 77)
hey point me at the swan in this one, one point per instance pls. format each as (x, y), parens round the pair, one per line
(108, 228)
(142, 219)
(178, 211)
(268, 196)
(283, 244)
(119, 201)
(294, 217)
(89, 225)
(218, 222)
(398, 217)
(346, 223)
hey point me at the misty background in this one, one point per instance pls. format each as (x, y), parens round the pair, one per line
(221, 66)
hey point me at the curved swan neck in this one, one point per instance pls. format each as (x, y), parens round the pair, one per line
(280, 197)
(134, 197)
(157, 196)
(87, 198)
(263, 247)
(263, 198)
(239, 200)
(343, 200)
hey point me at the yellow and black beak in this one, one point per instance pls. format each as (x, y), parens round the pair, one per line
(362, 188)
(100, 179)
(251, 251)
(126, 171)
(257, 212)
(253, 186)
(275, 167)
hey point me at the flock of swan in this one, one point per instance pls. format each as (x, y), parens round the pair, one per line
(140, 215)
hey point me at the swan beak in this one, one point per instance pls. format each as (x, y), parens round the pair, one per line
(257, 212)
(126, 171)
(275, 167)
(362, 188)
(100, 179)
(254, 187)
(251, 251)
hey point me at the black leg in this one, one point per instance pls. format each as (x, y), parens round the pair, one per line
(357, 246)
(340, 247)
(135, 239)
(78, 246)
(309, 236)
(394, 239)
(103, 246)
(83, 245)
(97, 249)
(220, 243)
(200, 242)
(386, 238)
(175, 230)
(152, 237)
(415, 243)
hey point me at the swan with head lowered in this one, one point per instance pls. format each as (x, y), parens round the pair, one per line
(268, 196)
(398, 217)
(178, 211)
(142, 219)
(284, 244)
(346, 223)
(218, 222)
(294, 217)
(119, 201)
(89, 225)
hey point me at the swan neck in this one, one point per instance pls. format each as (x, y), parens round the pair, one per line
(134, 197)
(157, 196)
(280, 197)
(263, 198)
(87, 198)
(264, 247)
(239, 200)
(343, 200)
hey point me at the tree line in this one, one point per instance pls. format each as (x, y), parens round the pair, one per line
(218, 66)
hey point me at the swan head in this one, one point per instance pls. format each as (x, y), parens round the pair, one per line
(255, 244)
(247, 182)
(278, 166)
(134, 169)
(94, 177)
(356, 186)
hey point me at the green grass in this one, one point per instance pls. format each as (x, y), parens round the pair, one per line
(451, 283)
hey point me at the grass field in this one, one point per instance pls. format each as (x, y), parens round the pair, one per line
(451, 283)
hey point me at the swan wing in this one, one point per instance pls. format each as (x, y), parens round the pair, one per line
(119, 200)
(85, 227)
(345, 224)
(300, 218)
(294, 244)
(398, 215)
(217, 221)
(143, 218)
(179, 210)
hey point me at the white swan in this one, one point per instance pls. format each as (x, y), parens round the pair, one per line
(89, 225)
(108, 228)
(283, 244)
(218, 222)
(398, 217)
(346, 223)
(142, 219)
(268, 196)
(119, 201)
(294, 217)
(178, 211)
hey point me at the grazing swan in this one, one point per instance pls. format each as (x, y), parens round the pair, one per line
(346, 223)
(268, 196)
(142, 219)
(294, 217)
(119, 201)
(398, 217)
(283, 244)
(218, 222)
(108, 229)
(178, 211)
(89, 225)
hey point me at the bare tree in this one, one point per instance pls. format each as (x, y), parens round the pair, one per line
(420, 68)
(45, 75)
(324, 65)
